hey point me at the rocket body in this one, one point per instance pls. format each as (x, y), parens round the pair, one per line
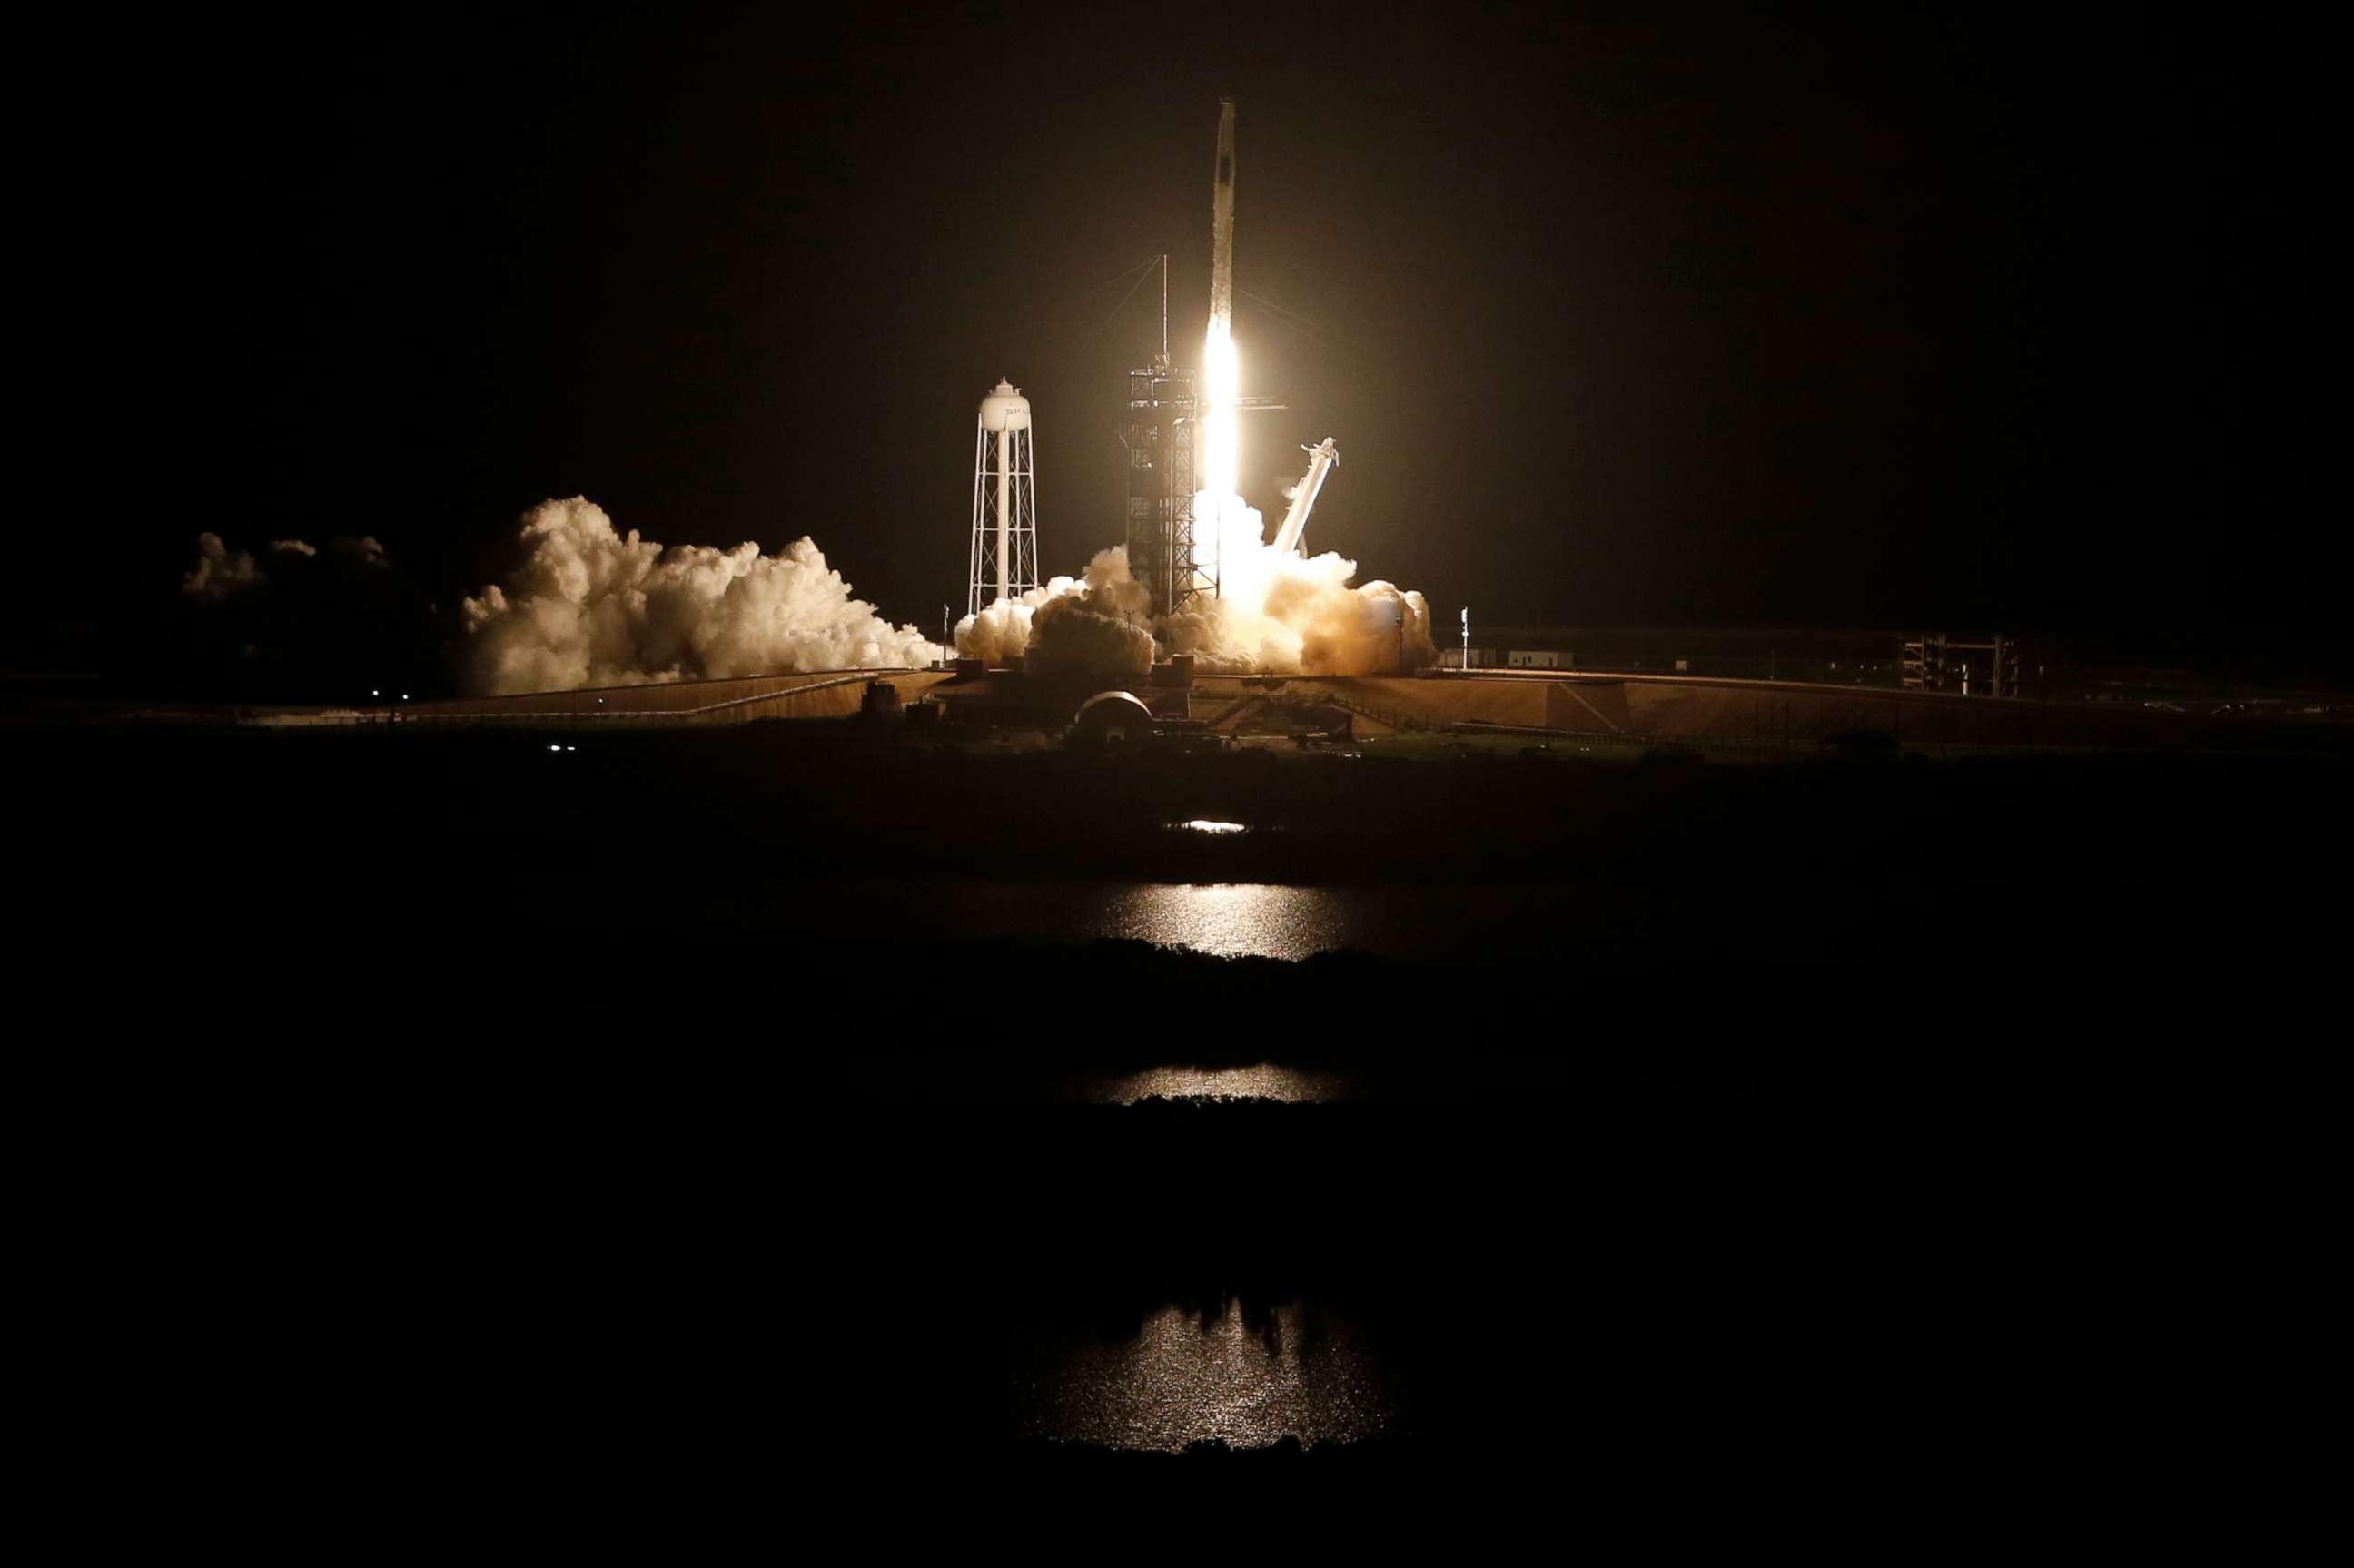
(1222, 224)
(1221, 375)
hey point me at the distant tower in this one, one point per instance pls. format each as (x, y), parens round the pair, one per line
(1004, 501)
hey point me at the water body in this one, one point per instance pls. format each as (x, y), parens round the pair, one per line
(1245, 1377)
(1228, 920)
(1233, 918)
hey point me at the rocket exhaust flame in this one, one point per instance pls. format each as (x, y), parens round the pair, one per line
(1222, 375)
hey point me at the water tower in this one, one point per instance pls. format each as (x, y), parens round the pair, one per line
(1004, 501)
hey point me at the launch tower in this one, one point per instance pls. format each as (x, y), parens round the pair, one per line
(1164, 472)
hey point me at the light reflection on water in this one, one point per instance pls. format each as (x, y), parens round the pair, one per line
(1263, 1080)
(1186, 1378)
(1229, 918)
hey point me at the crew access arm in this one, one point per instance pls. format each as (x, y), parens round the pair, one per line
(1320, 462)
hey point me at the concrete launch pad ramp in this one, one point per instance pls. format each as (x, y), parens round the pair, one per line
(1699, 712)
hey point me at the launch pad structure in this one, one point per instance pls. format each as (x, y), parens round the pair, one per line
(1161, 438)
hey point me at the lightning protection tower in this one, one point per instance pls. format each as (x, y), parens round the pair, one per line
(1004, 501)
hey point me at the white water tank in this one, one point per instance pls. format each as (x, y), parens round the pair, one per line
(1004, 408)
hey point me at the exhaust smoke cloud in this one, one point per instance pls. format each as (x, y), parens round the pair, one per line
(219, 572)
(1098, 626)
(1288, 614)
(589, 606)
(1278, 614)
(222, 574)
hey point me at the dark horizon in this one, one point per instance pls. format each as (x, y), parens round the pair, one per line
(1981, 322)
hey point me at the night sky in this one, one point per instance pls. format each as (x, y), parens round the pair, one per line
(1997, 320)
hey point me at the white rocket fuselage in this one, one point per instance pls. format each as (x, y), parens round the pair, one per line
(1220, 372)
(1222, 224)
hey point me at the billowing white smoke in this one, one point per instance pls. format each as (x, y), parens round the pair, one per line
(1000, 634)
(1095, 627)
(1100, 631)
(590, 607)
(1276, 612)
(219, 572)
(1280, 612)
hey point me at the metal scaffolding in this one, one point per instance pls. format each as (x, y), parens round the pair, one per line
(1164, 472)
(1159, 436)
